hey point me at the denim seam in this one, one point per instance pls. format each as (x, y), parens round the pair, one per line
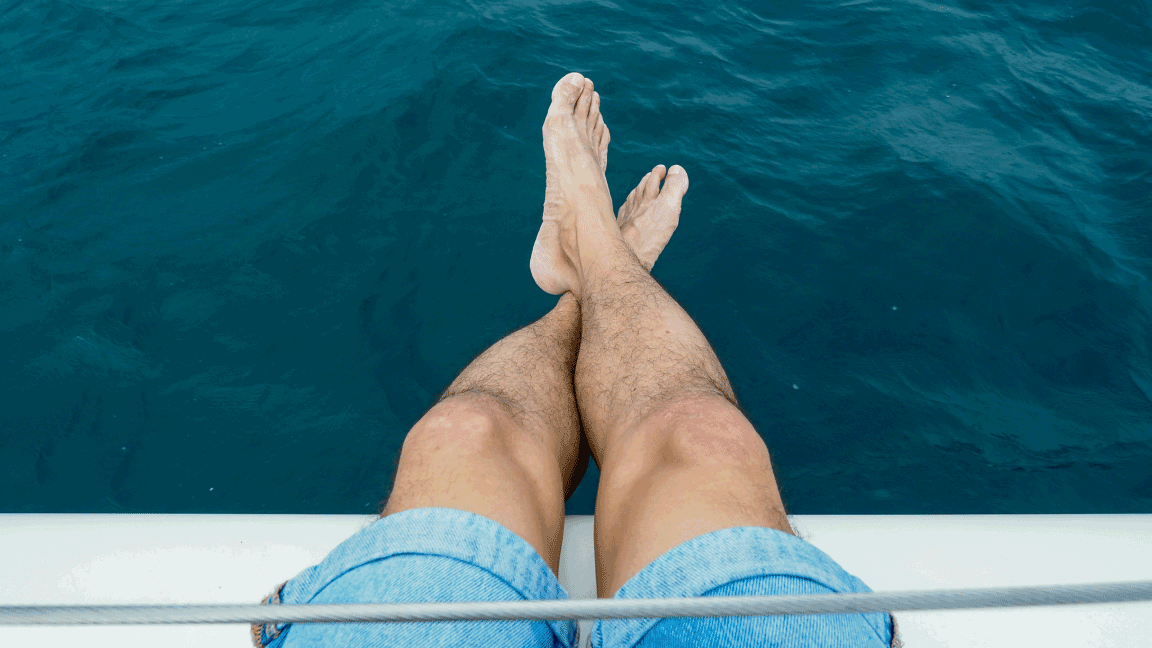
(494, 549)
(817, 567)
(887, 623)
(511, 586)
(649, 624)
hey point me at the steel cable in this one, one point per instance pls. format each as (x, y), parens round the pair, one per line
(952, 599)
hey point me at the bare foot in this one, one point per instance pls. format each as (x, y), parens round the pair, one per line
(577, 194)
(650, 214)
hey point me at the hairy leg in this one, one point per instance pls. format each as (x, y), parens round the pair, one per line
(678, 459)
(506, 432)
(503, 440)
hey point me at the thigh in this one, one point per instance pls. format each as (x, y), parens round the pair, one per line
(423, 555)
(694, 467)
(467, 454)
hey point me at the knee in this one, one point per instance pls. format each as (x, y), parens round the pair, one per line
(707, 430)
(461, 425)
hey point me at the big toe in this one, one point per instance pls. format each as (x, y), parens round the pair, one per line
(565, 93)
(675, 184)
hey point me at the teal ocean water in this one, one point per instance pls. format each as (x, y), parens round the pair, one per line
(245, 244)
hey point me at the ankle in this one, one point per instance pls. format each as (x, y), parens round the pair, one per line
(606, 257)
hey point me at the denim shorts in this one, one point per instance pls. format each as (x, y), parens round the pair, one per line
(443, 554)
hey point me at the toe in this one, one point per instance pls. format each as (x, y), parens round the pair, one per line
(638, 192)
(585, 101)
(676, 185)
(652, 187)
(628, 208)
(595, 120)
(565, 93)
(603, 147)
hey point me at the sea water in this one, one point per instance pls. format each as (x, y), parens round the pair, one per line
(244, 245)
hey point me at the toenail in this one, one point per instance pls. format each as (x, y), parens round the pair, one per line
(576, 81)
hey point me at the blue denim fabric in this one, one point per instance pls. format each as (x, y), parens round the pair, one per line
(743, 561)
(423, 555)
(443, 554)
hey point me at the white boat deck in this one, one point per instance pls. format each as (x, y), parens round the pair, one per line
(164, 559)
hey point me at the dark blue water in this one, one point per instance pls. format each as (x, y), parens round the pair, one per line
(244, 244)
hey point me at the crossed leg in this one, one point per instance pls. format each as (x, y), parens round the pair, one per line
(678, 458)
(504, 439)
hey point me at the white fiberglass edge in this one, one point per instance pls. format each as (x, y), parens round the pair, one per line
(66, 559)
